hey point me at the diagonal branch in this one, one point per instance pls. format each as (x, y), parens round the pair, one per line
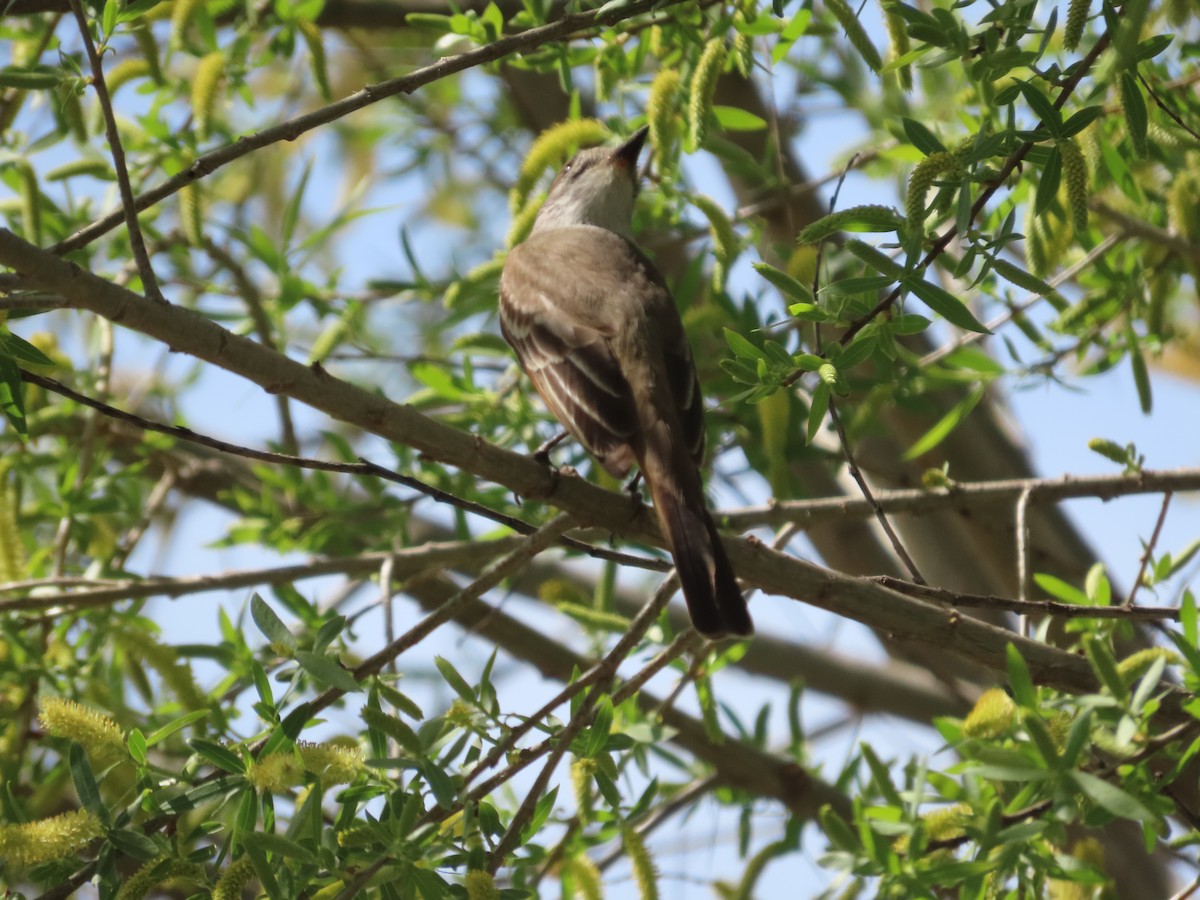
(405, 84)
(890, 612)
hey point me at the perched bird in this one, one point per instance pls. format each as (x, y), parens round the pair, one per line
(596, 330)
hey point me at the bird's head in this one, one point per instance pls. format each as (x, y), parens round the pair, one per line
(597, 187)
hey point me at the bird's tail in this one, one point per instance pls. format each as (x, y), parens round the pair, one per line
(713, 597)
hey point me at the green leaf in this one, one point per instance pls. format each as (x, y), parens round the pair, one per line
(108, 19)
(600, 727)
(134, 843)
(1187, 617)
(219, 756)
(792, 31)
(456, 681)
(921, 137)
(741, 347)
(1060, 590)
(12, 395)
(942, 429)
(1047, 189)
(785, 283)
(1112, 798)
(1141, 378)
(1018, 678)
(1137, 119)
(86, 787)
(271, 626)
(160, 734)
(278, 846)
(945, 304)
(733, 119)
(1050, 117)
(1105, 666)
(328, 671)
(394, 727)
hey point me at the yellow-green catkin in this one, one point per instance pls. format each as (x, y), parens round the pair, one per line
(191, 213)
(1077, 13)
(182, 14)
(991, 716)
(662, 115)
(548, 149)
(12, 548)
(1183, 201)
(316, 51)
(1136, 664)
(481, 886)
(924, 174)
(48, 839)
(606, 72)
(701, 90)
(99, 735)
(335, 762)
(582, 770)
(149, 50)
(276, 773)
(743, 54)
(645, 872)
(898, 40)
(724, 239)
(164, 659)
(157, 873)
(586, 877)
(233, 880)
(205, 84)
(1075, 177)
(855, 33)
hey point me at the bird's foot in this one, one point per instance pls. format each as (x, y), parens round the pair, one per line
(542, 453)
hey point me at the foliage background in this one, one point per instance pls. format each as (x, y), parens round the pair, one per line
(322, 246)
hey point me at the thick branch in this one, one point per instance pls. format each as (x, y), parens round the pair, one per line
(186, 331)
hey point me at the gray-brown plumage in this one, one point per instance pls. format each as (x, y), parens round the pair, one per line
(596, 329)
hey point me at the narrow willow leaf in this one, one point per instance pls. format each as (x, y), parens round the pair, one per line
(1114, 799)
(945, 304)
(1019, 679)
(327, 670)
(945, 425)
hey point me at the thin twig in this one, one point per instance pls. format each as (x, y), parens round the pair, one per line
(965, 496)
(1149, 551)
(362, 467)
(880, 517)
(637, 628)
(1029, 607)
(128, 209)
(1022, 526)
(409, 561)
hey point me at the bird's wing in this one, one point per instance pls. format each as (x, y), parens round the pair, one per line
(685, 388)
(569, 360)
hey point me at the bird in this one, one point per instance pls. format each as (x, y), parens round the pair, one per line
(595, 328)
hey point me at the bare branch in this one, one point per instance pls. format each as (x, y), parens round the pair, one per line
(128, 211)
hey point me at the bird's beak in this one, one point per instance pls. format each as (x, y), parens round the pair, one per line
(627, 153)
